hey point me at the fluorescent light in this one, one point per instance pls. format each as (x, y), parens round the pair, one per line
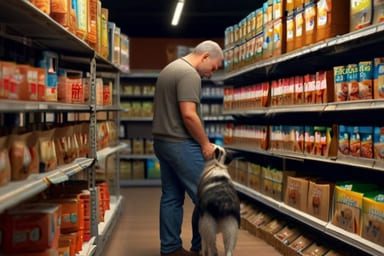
(177, 13)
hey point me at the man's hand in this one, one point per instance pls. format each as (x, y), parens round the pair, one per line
(208, 151)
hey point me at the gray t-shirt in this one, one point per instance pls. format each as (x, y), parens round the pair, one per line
(177, 82)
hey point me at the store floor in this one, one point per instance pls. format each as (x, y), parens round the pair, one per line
(136, 232)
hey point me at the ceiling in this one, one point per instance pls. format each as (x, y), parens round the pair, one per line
(200, 18)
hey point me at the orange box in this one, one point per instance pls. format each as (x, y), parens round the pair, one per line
(310, 18)
(72, 218)
(31, 228)
(70, 87)
(41, 87)
(70, 238)
(309, 89)
(6, 79)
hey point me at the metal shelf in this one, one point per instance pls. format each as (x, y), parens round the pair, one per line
(324, 227)
(17, 191)
(110, 219)
(23, 17)
(137, 157)
(347, 161)
(333, 47)
(104, 153)
(140, 183)
(34, 106)
(136, 119)
(108, 108)
(88, 248)
(141, 74)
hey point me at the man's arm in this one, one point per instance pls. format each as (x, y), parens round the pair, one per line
(195, 128)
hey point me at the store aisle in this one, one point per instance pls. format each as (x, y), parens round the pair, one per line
(136, 232)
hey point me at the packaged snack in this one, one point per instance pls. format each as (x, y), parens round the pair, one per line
(373, 217)
(310, 18)
(61, 12)
(315, 250)
(299, 27)
(43, 5)
(354, 141)
(340, 82)
(344, 135)
(319, 199)
(366, 137)
(365, 80)
(5, 164)
(378, 11)
(296, 193)
(70, 87)
(7, 78)
(352, 78)
(300, 243)
(310, 89)
(48, 159)
(378, 78)
(378, 138)
(360, 14)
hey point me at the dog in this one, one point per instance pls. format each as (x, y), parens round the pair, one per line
(219, 205)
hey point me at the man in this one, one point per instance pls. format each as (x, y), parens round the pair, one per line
(180, 142)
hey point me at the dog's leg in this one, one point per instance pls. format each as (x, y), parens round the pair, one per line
(229, 228)
(208, 230)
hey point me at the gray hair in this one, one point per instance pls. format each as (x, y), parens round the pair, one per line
(212, 48)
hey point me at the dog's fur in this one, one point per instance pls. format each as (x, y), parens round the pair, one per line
(219, 206)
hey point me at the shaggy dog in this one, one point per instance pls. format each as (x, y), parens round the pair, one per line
(219, 205)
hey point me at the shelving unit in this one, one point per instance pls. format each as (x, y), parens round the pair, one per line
(24, 23)
(324, 227)
(356, 46)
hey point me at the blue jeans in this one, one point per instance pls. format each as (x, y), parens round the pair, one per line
(181, 165)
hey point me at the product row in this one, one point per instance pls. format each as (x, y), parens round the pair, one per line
(24, 153)
(362, 81)
(136, 109)
(356, 141)
(288, 239)
(138, 146)
(49, 83)
(282, 26)
(353, 206)
(57, 222)
(140, 89)
(90, 22)
(140, 169)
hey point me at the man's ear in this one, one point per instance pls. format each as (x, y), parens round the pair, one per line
(205, 55)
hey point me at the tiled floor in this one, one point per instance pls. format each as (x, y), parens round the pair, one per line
(136, 232)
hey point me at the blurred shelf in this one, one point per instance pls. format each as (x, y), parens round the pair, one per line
(35, 106)
(104, 153)
(296, 108)
(137, 157)
(88, 248)
(218, 118)
(140, 183)
(136, 97)
(17, 191)
(210, 99)
(325, 227)
(371, 164)
(110, 219)
(140, 74)
(108, 108)
(355, 105)
(136, 119)
(313, 57)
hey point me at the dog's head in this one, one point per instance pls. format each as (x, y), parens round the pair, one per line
(222, 155)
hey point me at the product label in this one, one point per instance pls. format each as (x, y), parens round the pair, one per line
(299, 22)
(310, 14)
(290, 28)
(322, 12)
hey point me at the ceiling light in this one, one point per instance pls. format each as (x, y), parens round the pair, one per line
(177, 13)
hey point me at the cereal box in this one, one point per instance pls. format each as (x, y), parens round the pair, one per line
(340, 82)
(365, 80)
(378, 78)
(352, 78)
(373, 217)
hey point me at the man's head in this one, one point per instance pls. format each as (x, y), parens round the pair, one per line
(210, 58)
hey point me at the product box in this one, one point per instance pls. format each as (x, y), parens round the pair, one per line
(268, 41)
(354, 141)
(324, 87)
(373, 217)
(254, 176)
(279, 41)
(259, 46)
(70, 86)
(319, 199)
(138, 169)
(257, 221)
(43, 5)
(285, 237)
(378, 140)
(360, 14)
(7, 78)
(61, 12)
(310, 89)
(92, 23)
(49, 63)
(348, 203)
(82, 19)
(365, 80)
(72, 217)
(299, 90)
(330, 20)
(107, 93)
(153, 169)
(290, 31)
(378, 78)
(344, 135)
(315, 249)
(31, 228)
(278, 9)
(378, 11)
(268, 231)
(352, 78)
(325, 144)
(299, 139)
(5, 168)
(296, 193)
(104, 49)
(310, 19)
(309, 139)
(299, 27)
(300, 244)
(366, 139)
(340, 84)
